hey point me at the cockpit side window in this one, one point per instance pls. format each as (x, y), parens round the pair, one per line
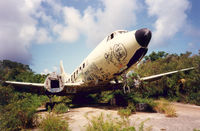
(114, 34)
(110, 37)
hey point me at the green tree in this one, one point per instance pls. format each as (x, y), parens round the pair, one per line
(155, 56)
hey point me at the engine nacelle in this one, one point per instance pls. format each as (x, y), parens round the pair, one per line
(54, 83)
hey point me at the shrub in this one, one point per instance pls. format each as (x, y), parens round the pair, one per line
(53, 123)
(130, 109)
(60, 108)
(19, 110)
(124, 112)
(150, 102)
(165, 107)
(102, 123)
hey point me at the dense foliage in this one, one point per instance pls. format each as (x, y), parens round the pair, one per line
(17, 110)
(16, 71)
(183, 86)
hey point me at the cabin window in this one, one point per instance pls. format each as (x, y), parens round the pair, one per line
(77, 72)
(74, 75)
(83, 65)
(80, 67)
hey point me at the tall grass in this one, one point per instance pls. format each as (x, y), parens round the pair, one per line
(60, 108)
(109, 123)
(102, 123)
(164, 106)
(53, 123)
(126, 112)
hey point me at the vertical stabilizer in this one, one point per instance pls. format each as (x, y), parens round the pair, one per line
(62, 72)
(61, 68)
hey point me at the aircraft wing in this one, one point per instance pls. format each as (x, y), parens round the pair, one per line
(158, 76)
(25, 84)
(37, 88)
(69, 88)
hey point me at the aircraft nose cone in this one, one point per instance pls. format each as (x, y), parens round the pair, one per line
(143, 37)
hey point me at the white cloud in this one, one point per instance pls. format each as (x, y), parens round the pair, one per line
(171, 16)
(27, 33)
(17, 28)
(23, 22)
(47, 71)
(42, 36)
(95, 24)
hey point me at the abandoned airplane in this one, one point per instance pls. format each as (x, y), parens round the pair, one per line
(114, 56)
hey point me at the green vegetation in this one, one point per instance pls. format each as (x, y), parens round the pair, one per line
(183, 86)
(126, 112)
(16, 71)
(109, 123)
(155, 56)
(60, 108)
(102, 123)
(17, 110)
(164, 106)
(53, 123)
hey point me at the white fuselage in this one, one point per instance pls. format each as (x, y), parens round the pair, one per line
(110, 57)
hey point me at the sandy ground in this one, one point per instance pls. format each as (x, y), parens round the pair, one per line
(188, 118)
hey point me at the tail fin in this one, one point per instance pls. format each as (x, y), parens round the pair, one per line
(61, 68)
(62, 72)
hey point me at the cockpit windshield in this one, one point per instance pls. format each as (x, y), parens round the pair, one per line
(122, 31)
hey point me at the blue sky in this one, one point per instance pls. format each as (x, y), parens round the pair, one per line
(43, 32)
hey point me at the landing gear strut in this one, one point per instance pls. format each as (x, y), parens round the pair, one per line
(126, 87)
(50, 103)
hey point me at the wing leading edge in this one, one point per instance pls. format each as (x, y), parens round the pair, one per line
(155, 77)
(22, 84)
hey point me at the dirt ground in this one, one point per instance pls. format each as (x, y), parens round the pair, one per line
(188, 118)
